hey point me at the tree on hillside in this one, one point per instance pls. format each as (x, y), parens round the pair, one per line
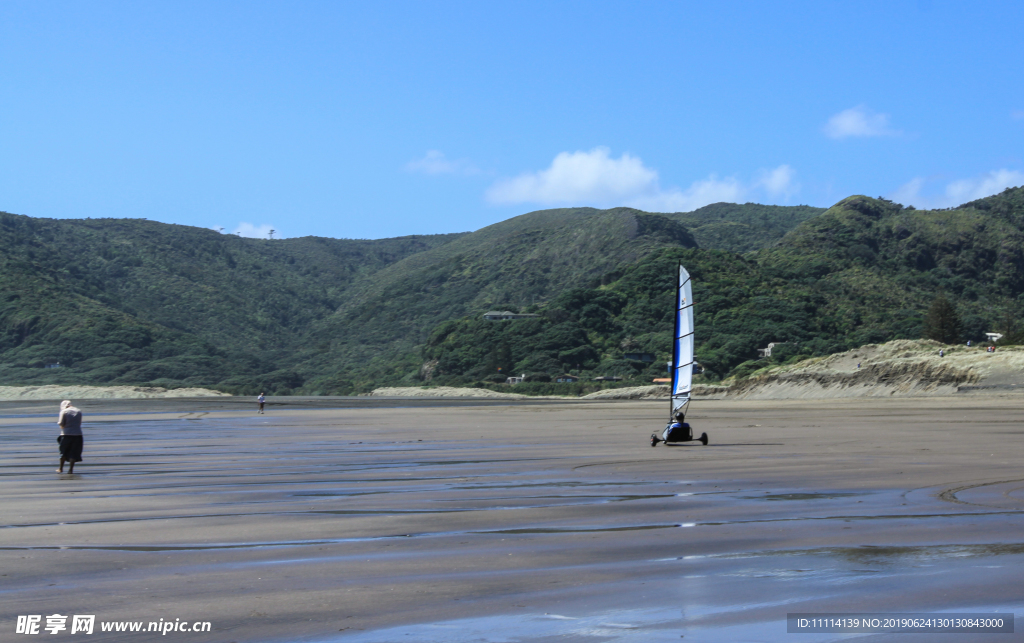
(942, 323)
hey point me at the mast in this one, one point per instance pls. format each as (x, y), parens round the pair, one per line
(682, 349)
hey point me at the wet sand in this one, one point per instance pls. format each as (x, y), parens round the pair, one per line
(532, 522)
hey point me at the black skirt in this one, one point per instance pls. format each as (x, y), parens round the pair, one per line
(70, 447)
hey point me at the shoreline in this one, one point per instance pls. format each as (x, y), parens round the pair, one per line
(12, 409)
(30, 411)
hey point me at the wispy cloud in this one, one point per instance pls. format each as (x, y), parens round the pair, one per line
(859, 121)
(910, 193)
(994, 182)
(779, 182)
(435, 162)
(597, 178)
(915, 192)
(251, 231)
(699, 194)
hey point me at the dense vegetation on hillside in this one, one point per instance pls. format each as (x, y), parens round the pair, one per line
(139, 302)
(743, 228)
(525, 261)
(740, 306)
(864, 271)
(134, 301)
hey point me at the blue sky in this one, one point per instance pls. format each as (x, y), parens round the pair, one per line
(369, 120)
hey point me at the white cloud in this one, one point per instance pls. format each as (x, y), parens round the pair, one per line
(579, 177)
(994, 182)
(699, 194)
(859, 121)
(251, 231)
(596, 178)
(434, 162)
(957, 192)
(779, 182)
(910, 193)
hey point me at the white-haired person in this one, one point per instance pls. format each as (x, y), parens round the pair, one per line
(70, 438)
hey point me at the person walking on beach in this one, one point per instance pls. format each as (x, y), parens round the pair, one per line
(261, 399)
(70, 438)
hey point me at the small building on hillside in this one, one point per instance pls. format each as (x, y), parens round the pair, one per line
(767, 352)
(54, 365)
(515, 380)
(607, 378)
(993, 337)
(567, 379)
(504, 315)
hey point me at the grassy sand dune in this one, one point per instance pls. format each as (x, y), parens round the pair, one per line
(61, 392)
(442, 391)
(897, 368)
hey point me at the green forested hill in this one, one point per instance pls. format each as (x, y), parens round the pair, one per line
(135, 301)
(863, 271)
(524, 261)
(743, 228)
(139, 302)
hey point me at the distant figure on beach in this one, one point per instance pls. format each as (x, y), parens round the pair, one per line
(70, 438)
(942, 352)
(261, 399)
(968, 343)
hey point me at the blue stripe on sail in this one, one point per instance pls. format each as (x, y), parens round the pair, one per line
(675, 333)
(682, 378)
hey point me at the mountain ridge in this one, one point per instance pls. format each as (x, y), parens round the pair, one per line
(145, 303)
(861, 272)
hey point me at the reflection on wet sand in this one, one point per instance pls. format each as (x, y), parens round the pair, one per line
(500, 523)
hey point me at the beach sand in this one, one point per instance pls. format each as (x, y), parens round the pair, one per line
(390, 520)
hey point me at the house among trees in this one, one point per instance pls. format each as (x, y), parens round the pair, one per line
(767, 352)
(54, 365)
(607, 378)
(567, 379)
(502, 315)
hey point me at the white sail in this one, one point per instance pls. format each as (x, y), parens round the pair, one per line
(682, 352)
